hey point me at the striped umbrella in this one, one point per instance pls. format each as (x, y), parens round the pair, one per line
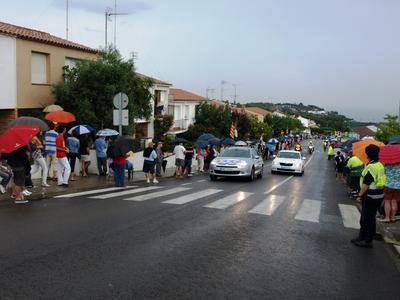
(81, 129)
(107, 132)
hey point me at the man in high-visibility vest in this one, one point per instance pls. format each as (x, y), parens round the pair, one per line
(354, 167)
(330, 152)
(372, 183)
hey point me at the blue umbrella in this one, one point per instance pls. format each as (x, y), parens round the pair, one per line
(178, 141)
(107, 132)
(202, 144)
(273, 141)
(206, 137)
(81, 129)
(394, 139)
(214, 141)
(228, 141)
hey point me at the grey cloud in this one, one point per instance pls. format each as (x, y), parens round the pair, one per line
(93, 6)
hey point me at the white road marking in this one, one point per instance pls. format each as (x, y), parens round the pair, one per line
(309, 211)
(229, 200)
(309, 160)
(159, 194)
(128, 192)
(91, 192)
(350, 216)
(201, 180)
(194, 196)
(184, 184)
(278, 185)
(268, 205)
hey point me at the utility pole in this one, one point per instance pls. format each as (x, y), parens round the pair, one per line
(235, 95)
(223, 82)
(108, 13)
(66, 19)
(211, 91)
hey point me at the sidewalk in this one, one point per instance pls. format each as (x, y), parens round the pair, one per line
(93, 181)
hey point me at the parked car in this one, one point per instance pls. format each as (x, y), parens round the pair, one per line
(237, 162)
(288, 161)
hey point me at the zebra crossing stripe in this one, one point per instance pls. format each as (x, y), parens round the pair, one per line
(192, 197)
(157, 194)
(128, 192)
(309, 211)
(268, 205)
(229, 200)
(350, 216)
(92, 192)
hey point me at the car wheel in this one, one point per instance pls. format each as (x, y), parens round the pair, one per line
(213, 177)
(273, 172)
(252, 176)
(261, 172)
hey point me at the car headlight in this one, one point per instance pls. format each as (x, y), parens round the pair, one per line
(275, 163)
(242, 164)
(213, 163)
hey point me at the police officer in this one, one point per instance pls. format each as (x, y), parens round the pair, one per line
(372, 182)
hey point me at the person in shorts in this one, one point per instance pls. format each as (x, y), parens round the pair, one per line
(179, 152)
(150, 156)
(189, 153)
(391, 192)
(84, 152)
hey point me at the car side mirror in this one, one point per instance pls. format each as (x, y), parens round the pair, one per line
(303, 158)
(257, 157)
(274, 156)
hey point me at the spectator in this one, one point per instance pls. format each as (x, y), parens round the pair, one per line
(84, 152)
(179, 152)
(17, 161)
(5, 177)
(50, 151)
(100, 146)
(391, 192)
(39, 161)
(119, 163)
(189, 153)
(73, 146)
(63, 167)
(200, 159)
(160, 158)
(339, 160)
(150, 157)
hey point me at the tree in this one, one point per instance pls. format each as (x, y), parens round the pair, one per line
(258, 128)
(282, 124)
(89, 88)
(215, 120)
(243, 124)
(387, 129)
(161, 126)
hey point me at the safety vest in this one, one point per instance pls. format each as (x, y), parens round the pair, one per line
(330, 150)
(354, 162)
(377, 170)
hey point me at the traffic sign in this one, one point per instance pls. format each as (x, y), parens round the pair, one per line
(121, 101)
(124, 116)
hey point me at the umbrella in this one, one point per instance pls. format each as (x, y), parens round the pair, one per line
(359, 148)
(123, 145)
(107, 132)
(348, 145)
(394, 139)
(81, 129)
(201, 144)
(164, 164)
(29, 121)
(206, 137)
(214, 141)
(273, 141)
(228, 141)
(52, 108)
(60, 117)
(240, 143)
(178, 141)
(17, 137)
(390, 154)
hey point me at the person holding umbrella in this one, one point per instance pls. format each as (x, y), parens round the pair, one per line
(73, 146)
(150, 156)
(372, 182)
(63, 167)
(39, 161)
(50, 137)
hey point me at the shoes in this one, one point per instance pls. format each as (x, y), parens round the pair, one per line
(26, 193)
(363, 244)
(148, 180)
(190, 175)
(2, 189)
(357, 239)
(155, 180)
(65, 185)
(45, 185)
(21, 201)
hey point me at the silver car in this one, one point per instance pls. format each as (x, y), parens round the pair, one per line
(288, 161)
(237, 162)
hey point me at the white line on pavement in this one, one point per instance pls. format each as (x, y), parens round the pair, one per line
(194, 196)
(268, 205)
(307, 162)
(278, 185)
(350, 216)
(229, 200)
(309, 211)
(128, 192)
(91, 192)
(159, 194)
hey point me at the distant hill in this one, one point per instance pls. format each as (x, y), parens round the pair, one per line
(328, 121)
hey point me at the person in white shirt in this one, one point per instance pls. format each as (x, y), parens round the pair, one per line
(179, 152)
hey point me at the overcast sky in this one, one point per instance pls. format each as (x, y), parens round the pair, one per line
(342, 55)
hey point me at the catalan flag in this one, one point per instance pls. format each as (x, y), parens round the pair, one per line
(233, 131)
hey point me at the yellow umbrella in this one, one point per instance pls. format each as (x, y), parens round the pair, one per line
(359, 148)
(52, 108)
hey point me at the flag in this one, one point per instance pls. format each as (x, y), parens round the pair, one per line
(233, 132)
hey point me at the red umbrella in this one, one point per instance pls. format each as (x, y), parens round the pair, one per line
(17, 137)
(390, 154)
(60, 117)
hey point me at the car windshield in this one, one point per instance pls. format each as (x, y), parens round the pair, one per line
(236, 152)
(289, 155)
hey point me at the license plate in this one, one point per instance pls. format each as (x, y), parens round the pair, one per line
(225, 169)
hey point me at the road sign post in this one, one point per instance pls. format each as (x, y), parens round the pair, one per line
(120, 102)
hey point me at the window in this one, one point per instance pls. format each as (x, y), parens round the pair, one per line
(71, 62)
(39, 68)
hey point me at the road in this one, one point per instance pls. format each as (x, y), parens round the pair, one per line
(279, 237)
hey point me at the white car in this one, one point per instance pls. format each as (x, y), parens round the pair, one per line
(288, 161)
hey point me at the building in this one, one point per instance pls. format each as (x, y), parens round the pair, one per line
(279, 114)
(160, 92)
(182, 105)
(364, 131)
(257, 112)
(31, 61)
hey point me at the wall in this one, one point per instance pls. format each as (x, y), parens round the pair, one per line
(39, 95)
(181, 118)
(8, 94)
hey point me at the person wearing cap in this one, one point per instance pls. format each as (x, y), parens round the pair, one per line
(372, 183)
(150, 157)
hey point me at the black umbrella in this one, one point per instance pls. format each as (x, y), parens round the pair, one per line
(164, 164)
(123, 145)
(31, 121)
(206, 137)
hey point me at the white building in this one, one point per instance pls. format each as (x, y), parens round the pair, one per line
(182, 105)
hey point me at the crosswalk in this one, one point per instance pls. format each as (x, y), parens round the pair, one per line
(267, 204)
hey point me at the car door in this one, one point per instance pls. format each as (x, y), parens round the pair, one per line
(257, 160)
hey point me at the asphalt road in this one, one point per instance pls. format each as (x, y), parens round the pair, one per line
(278, 237)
